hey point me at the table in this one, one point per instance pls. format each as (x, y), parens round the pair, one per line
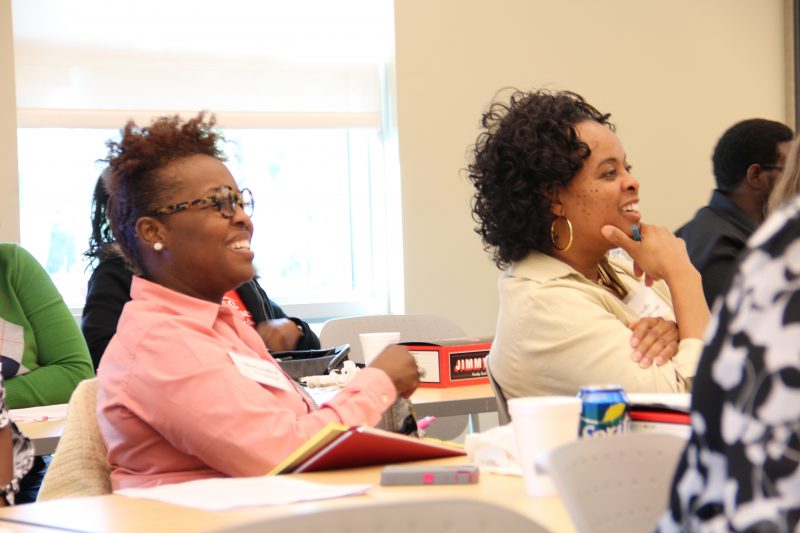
(120, 514)
(44, 435)
(454, 401)
(469, 400)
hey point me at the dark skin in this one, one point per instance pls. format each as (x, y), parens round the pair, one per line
(752, 193)
(224, 261)
(605, 192)
(6, 458)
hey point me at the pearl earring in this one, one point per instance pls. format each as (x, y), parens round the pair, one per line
(158, 247)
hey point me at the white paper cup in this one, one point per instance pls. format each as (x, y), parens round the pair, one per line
(542, 423)
(373, 343)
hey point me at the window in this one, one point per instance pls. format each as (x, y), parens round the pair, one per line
(298, 89)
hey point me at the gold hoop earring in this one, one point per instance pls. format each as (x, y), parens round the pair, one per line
(553, 233)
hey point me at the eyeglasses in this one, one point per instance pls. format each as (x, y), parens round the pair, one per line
(225, 200)
(772, 167)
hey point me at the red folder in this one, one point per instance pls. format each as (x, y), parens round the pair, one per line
(669, 417)
(337, 446)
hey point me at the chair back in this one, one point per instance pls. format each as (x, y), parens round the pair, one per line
(422, 328)
(79, 466)
(502, 404)
(615, 483)
(464, 516)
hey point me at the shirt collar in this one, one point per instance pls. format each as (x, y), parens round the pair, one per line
(176, 302)
(540, 267)
(721, 203)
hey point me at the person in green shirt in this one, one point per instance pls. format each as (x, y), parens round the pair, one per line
(43, 353)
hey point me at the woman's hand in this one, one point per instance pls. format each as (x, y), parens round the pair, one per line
(654, 339)
(659, 255)
(662, 255)
(401, 367)
(279, 335)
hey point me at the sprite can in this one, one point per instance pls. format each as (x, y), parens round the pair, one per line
(604, 411)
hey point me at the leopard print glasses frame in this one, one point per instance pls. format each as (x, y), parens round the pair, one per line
(225, 200)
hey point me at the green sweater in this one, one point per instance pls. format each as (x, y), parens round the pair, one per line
(43, 352)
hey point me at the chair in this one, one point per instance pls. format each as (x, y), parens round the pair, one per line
(615, 483)
(79, 466)
(502, 404)
(423, 328)
(447, 516)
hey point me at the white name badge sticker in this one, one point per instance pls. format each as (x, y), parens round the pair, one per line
(646, 302)
(260, 371)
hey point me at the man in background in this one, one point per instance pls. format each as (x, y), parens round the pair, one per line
(748, 160)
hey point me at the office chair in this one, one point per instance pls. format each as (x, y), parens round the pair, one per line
(445, 516)
(423, 328)
(615, 483)
(502, 404)
(79, 466)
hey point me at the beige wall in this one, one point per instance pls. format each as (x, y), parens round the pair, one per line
(9, 190)
(673, 74)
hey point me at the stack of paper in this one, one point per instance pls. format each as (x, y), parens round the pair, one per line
(218, 494)
(667, 413)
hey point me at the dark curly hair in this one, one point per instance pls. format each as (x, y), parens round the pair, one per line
(528, 150)
(750, 141)
(136, 185)
(101, 237)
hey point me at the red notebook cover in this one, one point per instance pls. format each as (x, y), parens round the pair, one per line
(363, 446)
(670, 417)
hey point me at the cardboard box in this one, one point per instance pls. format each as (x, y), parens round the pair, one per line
(452, 362)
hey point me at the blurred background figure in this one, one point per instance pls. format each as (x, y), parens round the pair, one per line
(741, 467)
(748, 159)
(44, 356)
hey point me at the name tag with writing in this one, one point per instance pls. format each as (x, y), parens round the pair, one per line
(646, 302)
(260, 371)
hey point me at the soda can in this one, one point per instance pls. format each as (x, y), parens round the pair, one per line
(604, 411)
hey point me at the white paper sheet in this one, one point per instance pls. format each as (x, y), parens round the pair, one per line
(219, 494)
(678, 401)
(39, 414)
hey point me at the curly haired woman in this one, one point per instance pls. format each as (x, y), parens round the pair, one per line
(554, 194)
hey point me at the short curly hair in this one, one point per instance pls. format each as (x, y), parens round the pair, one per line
(136, 185)
(747, 142)
(528, 150)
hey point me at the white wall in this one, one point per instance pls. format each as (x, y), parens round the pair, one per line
(9, 190)
(673, 74)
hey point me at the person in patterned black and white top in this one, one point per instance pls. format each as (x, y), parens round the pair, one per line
(21, 449)
(741, 468)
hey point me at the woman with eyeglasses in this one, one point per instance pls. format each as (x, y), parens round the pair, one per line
(109, 289)
(187, 389)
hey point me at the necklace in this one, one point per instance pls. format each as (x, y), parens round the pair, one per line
(610, 282)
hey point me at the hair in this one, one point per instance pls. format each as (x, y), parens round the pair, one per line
(747, 142)
(136, 185)
(788, 184)
(528, 150)
(101, 241)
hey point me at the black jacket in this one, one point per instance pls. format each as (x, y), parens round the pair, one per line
(714, 239)
(110, 288)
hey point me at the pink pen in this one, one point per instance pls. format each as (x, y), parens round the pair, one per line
(423, 423)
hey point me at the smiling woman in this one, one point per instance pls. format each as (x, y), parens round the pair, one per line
(188, 389)
(554, 194)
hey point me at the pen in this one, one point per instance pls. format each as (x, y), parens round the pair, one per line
(636, 235)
